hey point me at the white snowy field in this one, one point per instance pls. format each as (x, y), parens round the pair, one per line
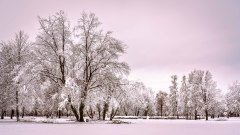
(139, 127)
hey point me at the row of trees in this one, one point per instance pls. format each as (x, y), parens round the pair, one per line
(198, 95)
(75, 70)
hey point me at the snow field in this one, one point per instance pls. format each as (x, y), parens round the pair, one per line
(139, 127)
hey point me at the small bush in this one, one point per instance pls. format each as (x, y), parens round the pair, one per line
(119, 122)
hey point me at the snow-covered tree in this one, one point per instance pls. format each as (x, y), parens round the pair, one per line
(209, 92)
(149, 100)
(203, 92)
(161, 103)
(217, 107)
(184, 98)
(15, 60)
(110, 89)
(141, 99)
(21, 52)
(195, 85)
(233, 99)
(96, 55)
(51, 48)
(127, 106)
(7, 94)
(173, 97)
(138, 89)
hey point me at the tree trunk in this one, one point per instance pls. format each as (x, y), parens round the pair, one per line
(12, 113)
(137, 112)
(113, 113)
(99, 111)
(195, 114)
(35, 112)
(17, 110)
(23, 110)
(105, 109)
(73, 108)
(125, 111)
(206, 113)
(2, 114)
(90, 113)
(146, 112)
(99, 115)
(81, 111)
(59, 113)
(161, 110)
(75, 112)
(177, 115)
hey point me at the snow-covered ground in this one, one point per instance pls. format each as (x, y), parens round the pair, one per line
(139, 127)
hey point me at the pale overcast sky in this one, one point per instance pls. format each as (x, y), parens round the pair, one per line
(164, 37)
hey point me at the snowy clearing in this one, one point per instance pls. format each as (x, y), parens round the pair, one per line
(139, 126)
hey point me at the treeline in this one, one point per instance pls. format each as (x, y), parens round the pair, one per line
(76, 71)
(198, 96)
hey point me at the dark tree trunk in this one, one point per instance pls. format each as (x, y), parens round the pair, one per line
(17, 110)
(146, 112)
(105, 109)
(81, 111)
(161, 110)
(73, 108)
(99, 111)
(195, 114)
(75, 112)
(137, 112)
(23, 111)
(206, 113)
(12, 113)
(113, 113)
(59, 113)
(186, 114)
(35, 112)
(90, 113)
(177, 115)
(125, 111)
(2, 114)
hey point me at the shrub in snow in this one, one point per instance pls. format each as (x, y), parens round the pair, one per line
(221, 119)
(119, 122)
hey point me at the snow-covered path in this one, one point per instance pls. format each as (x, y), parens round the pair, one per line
(140, 127)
